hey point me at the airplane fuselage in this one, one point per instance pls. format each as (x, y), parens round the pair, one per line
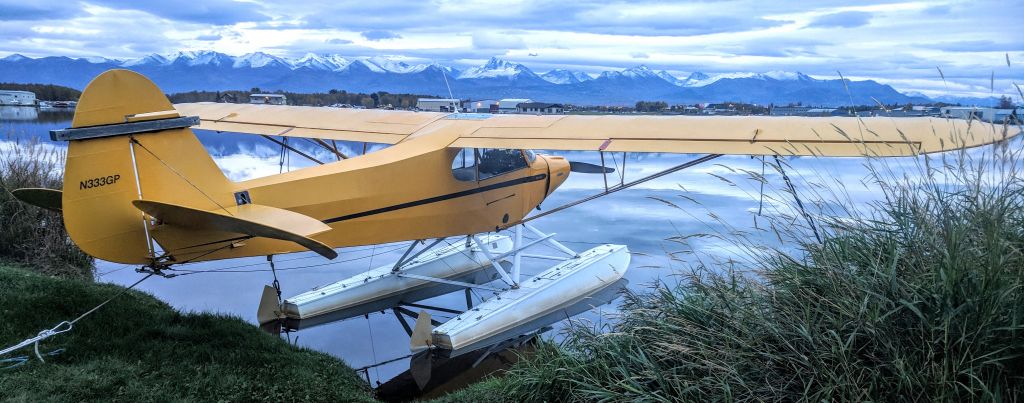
(417, 189)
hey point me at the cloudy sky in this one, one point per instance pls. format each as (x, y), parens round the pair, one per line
(900, 43)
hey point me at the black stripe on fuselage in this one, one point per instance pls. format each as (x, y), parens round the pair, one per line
(436, 199)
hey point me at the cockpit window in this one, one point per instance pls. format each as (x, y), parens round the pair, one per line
(464, 165)
(472, 164)
(496, 161)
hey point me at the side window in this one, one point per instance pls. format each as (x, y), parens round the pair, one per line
(496, 161)
(464, 165)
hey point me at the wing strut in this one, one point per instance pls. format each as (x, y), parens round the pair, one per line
(617, 188)
(282, 144)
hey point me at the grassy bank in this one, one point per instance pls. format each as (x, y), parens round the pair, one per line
(918, 298)
(137, 348)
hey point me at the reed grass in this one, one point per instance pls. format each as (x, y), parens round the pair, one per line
(29, 235)
(918, 296)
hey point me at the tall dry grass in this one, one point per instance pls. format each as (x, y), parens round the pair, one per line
(31, 236)
(918, 296)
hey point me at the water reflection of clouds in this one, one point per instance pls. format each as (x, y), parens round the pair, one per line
(246, 156)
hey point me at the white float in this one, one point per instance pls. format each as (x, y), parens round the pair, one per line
(384, 287)
(548, 297)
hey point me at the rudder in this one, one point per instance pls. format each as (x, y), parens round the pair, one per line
(103, 175)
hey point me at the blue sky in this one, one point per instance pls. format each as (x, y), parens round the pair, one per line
(903, 43)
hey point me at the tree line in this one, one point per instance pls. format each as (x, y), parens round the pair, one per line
(45, 92)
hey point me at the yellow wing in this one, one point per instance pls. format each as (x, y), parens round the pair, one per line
(748, 135)
(362, 125)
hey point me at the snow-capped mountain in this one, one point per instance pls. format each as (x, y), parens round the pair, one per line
(640, 72)
(151, 60)
(699, 79)
(496, 78)
(259, 59)
(321, 62)
(99, 59)
(670, 78)
(189, 58)
(380, 64)
(563, 76)
(498, 68)
(694, 79)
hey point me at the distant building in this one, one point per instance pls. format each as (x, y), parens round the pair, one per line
(926, 110)
(689, 110)
(540, 108)
(508, 105)
(438, 104)
(17, 98)
(825, 112)
(719, 109)
(269, 99)
(900, 113)
(483, 106)
(992, 115)
(807, 111)
(790, 110)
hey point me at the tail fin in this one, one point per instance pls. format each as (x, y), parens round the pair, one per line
(104, 174)
(269, 309)
(421, 338)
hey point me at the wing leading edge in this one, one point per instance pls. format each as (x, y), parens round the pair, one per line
(362, 125)
(745, 135)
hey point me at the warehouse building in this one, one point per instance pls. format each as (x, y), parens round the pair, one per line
(17, 98)
(508, 105)
(269, 99)
(992, 115)
(540, 108)
(438, 104)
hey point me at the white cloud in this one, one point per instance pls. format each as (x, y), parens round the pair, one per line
(742, 35)
(497, 40)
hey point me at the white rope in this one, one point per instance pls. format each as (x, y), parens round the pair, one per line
(43, 335)
(64, 326)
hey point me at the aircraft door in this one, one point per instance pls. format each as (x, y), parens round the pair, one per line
(502, 172)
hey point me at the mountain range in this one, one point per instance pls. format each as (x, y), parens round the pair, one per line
(495, 79)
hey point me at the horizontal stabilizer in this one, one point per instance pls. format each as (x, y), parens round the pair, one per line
(49, 199)
(249, 219)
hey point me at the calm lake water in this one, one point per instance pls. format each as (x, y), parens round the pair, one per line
(717, 197)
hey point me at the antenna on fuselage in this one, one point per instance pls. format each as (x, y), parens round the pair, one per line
(455, 107)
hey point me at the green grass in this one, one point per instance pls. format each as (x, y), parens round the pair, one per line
(139, 349)
(919, 297)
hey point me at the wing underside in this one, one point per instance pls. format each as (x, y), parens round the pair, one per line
(362, 125)
(746, 135)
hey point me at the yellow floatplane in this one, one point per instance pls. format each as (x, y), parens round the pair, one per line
(139, 188)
